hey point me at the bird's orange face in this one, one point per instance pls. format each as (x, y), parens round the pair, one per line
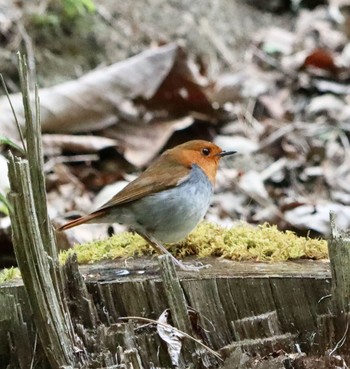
(203, 153)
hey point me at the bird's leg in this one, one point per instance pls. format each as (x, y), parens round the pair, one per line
(158, 246)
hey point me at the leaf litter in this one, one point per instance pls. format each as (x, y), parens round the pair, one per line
(285, 110)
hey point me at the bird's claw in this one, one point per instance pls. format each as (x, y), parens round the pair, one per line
(192, 267)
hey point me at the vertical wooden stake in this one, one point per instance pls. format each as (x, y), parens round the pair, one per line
(177, 304)
(34, 244)
(339, 255)
(175, 295)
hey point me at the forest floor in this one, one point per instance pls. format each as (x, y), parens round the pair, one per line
(273, 87)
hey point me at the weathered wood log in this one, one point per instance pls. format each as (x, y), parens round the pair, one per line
(20, 333)
(260, 335)
(35, 247)
(334, 326)
(225, 295)
(263, 325)
(175, 295)
(263, 346)
(177, 303)
(33, 262)
(339, 254)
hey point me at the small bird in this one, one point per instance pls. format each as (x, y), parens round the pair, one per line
(166, 202)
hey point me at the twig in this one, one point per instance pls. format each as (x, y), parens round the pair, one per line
(217, 42)
(276, 135)
(324, 297)
(341, 342)
(69, 159)
(34, 349)
(276, 166)
(175, 329)
(272, 62)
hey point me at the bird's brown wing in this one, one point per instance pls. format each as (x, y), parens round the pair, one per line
(162, 175)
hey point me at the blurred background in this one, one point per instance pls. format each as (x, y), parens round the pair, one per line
(119, 82)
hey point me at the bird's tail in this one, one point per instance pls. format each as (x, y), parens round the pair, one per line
(81, 220)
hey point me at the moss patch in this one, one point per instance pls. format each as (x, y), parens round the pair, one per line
(8, 274)
(124, 244)
(243, 242)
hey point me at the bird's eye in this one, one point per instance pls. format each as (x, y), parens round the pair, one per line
(206, 151)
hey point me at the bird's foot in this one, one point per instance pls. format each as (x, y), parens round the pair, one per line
(158, 246)
(192, 267)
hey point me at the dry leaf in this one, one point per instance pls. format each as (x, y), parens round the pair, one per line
(316, 217)
(95, 100)
(322, 59)
(172, 338)
(326, 104)
(142, 143)
(253, 185)
(57, 144)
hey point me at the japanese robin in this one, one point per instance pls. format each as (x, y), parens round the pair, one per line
(166, 202)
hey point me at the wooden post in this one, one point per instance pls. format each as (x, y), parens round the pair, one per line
(179, 313)
(177, 305)
(35, 247)
(175, 295)
(339, 255)
(19, 333)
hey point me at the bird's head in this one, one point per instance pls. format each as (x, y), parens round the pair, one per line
(203, 153)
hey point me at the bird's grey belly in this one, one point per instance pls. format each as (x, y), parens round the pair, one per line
(172, 214)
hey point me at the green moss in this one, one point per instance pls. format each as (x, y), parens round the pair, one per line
(123, 244)
(8, 274)
(243, 242)
(262, 243)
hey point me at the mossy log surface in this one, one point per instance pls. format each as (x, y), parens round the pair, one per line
(257, 307)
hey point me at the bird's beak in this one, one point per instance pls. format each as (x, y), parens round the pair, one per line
(226, 153)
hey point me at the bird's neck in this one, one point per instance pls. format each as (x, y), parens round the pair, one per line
(209, 167)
